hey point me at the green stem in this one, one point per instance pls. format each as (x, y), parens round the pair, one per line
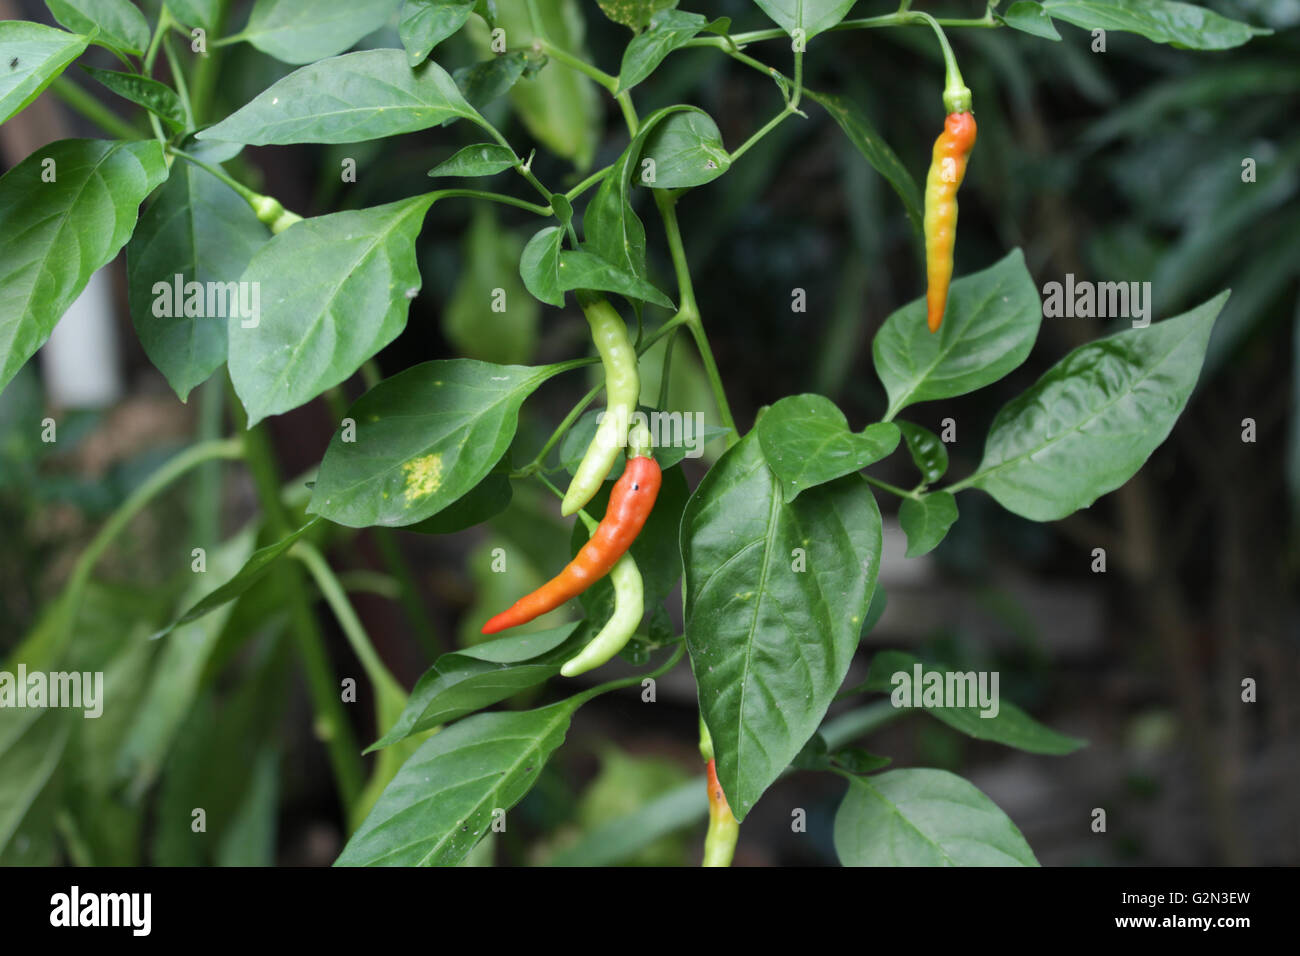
(574, 414)
(587, 183)
(689, 313)
(178, 77)
(892, 489)
(378, 674)
(582, 66)
(408, 596)
(83, 103)
(497, 197)
(331, 720)
(767, 127)
(205, 71)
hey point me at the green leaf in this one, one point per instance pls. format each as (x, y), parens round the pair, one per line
(812, 16)
(806, 442)
(481, 159)
(54, 235)
(462, 682)
(300, 31)
(612, 229)
(201, 229)
(426, 23)
(119, 24)
(857, 760)
(928, 452)
(579, 269)
(1011, 726)
(346, 99)
(687, 151)
(636, 15)
(424, 437)
(31, 56)
(334, 291)
(559, 106)
(669, 31)
(539, 266)
(157, 98)
(173, 685)
(863, 135)
(775, 598)
(992, 321)
(441, 802)
(484, 82)
(28, 761)
(1090, 422)
(548, 271)
(926, 521)
(488, 498)
(196, 13)
(1162, 21)
(491, 316)
(1028, 16)
(253, 570)
(624, 836)
(921, 817)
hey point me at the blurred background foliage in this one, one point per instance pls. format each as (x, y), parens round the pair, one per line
(1116, 166)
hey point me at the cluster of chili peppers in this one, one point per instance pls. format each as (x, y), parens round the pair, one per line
(630, 503)
(633, 497)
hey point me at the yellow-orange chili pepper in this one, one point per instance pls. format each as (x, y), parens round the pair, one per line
(947, 169)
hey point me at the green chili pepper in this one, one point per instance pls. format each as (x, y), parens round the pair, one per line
(629, 605)
(270, 212)
(622, 390)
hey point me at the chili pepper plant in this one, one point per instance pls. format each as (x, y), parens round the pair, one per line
(761, 578)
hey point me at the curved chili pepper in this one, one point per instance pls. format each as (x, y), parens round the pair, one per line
(629, 606)
(622, 389)
(724, 829)
(629, 505)
(947, 169)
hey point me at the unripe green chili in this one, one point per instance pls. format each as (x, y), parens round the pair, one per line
(270, 212)
(724, 829)
(629, 605)
(622, 390)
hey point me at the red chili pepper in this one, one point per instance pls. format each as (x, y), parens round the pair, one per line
(947, 169)
(629, 505)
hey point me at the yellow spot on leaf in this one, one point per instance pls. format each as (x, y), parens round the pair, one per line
(423, 476)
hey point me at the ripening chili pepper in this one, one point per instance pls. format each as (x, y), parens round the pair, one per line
(947, 169)
(629, 606)
(622, 390)
(724, 829)
(629, 505)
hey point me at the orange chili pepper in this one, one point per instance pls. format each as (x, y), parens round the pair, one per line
(947, 170)
(629, 505)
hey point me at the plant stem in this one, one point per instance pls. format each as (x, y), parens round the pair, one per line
(892, 489)
(576, 63)
(376, 672)
(178, 77)
(408, 595)
(82, 102)
(689, 313)
(331, 720)
(587, 183)
(574, 413)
